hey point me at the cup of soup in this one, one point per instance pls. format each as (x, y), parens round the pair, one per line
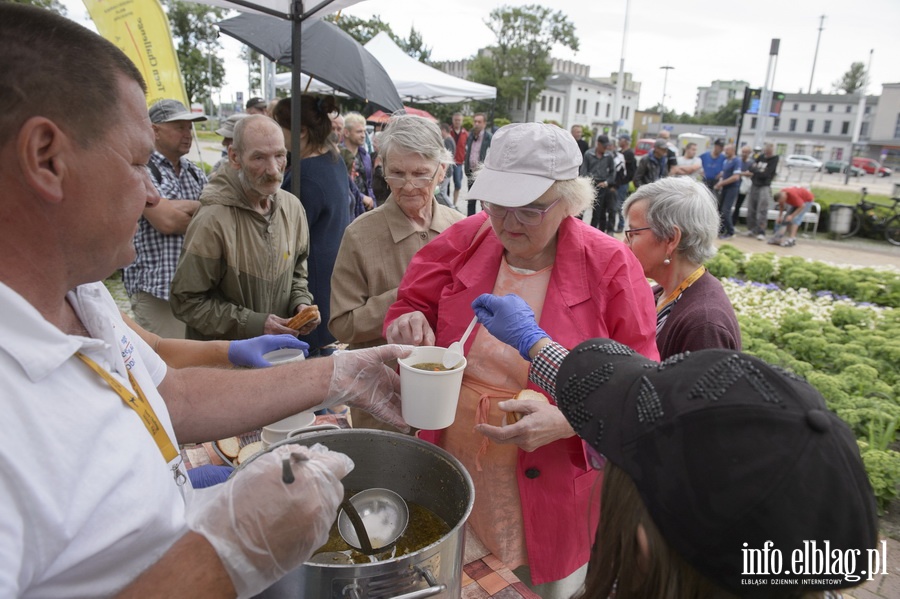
(429, 392)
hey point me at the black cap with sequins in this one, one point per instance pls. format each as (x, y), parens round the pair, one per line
(730, 455)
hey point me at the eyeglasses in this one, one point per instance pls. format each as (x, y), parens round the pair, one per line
(417, 182)
(629, 233)
(527, 216)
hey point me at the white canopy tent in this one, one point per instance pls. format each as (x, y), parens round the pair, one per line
(415, 81)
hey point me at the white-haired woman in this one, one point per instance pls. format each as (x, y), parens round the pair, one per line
(377, 246)
(671, 227)
(532, 483)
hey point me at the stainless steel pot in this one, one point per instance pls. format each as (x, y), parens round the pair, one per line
(421, 473)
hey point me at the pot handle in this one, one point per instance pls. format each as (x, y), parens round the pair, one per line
(309, 429)
(434, 589)
(431, 591)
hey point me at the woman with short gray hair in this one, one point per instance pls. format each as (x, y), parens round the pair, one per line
(671, 226)
(378, 245)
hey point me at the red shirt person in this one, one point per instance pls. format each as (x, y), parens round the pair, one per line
(793, 204)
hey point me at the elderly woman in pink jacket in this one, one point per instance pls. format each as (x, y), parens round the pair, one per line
(532, 481)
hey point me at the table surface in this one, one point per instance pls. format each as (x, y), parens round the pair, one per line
(484, 576)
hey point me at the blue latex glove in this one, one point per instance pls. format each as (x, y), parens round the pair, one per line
(249, 352)
(510, 320)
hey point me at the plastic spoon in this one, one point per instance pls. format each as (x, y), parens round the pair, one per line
(454, 353)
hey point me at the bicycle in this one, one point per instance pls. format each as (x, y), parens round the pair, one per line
(877, 218)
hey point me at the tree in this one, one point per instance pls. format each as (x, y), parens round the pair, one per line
(853, 80)
(364, 30)
(525, 36)
(415, 46)
(727, 115)
(196, 44)
(51, 5)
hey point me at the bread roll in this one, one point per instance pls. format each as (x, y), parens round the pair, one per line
(514, 417)
(249, 450)
(307, 314)
(229, 447)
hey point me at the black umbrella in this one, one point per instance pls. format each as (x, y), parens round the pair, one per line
(328, 54)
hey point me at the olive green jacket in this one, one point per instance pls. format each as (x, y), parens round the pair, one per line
(237, 266)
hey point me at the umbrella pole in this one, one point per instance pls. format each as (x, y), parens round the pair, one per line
(296, 92)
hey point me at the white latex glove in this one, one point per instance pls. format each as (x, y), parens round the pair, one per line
(360, 379)
(262, 528)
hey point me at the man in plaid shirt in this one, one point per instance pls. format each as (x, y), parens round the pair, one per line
(161, 228)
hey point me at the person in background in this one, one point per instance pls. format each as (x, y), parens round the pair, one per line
(379, 185)
(377, 247)
(113, 513)
(531, 479)
(227, 133)
(647, 425)
(689, 165)
(713, 160)
(671, 149)
(623, 182)
(764, 168)
(600, 165)
(242, 271)
(355, 143)
(654, 165)
(728, 185)
(160, 234)
(337, 128)
(578, 134)
(672, 225)
(793, 204)
(256, 105)
(325, 194)
(746, 164)
(460, 138)
(477, 147)
(450, 145)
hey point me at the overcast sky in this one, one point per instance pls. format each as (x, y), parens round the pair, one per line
(732, 42)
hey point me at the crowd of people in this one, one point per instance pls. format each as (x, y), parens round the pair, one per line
(694, 456)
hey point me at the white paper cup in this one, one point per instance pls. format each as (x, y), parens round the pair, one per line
(286, 427)
(284, 355)
(428, 398)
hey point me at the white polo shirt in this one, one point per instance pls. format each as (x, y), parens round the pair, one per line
(87, 500)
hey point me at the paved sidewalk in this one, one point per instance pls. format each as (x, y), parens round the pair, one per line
(883, 586)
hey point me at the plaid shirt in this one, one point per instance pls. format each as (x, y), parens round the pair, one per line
(157, 254)
(546, 365)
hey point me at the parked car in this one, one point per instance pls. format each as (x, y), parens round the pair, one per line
(841, 166)
(803, 161)
(643, 146)
(872, 166)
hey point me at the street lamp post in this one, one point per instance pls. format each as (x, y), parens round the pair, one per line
(528, 80)
(662, 104)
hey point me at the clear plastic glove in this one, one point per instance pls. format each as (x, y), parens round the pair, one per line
(262, 528)
(360, 379)
(509, 319)
(249, 352)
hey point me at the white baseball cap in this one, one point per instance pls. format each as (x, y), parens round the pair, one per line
(524, 160)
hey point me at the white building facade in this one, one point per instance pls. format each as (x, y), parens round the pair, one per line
(718, 94)
(818, 125)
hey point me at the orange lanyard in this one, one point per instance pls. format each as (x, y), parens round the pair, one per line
(140, 405)
(684, 285)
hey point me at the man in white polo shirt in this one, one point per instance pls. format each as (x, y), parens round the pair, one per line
(92, 485)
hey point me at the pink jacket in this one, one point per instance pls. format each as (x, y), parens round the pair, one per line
(597, 289)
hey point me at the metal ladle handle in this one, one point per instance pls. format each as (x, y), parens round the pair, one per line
(361, 533)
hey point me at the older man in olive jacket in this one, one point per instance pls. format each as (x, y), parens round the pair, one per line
(242, 270)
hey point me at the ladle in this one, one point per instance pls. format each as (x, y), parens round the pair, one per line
(375, 517)
(454, 353)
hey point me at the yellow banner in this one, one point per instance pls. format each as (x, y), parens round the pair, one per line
(140, 29)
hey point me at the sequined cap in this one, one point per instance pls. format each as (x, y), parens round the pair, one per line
(727, 452)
